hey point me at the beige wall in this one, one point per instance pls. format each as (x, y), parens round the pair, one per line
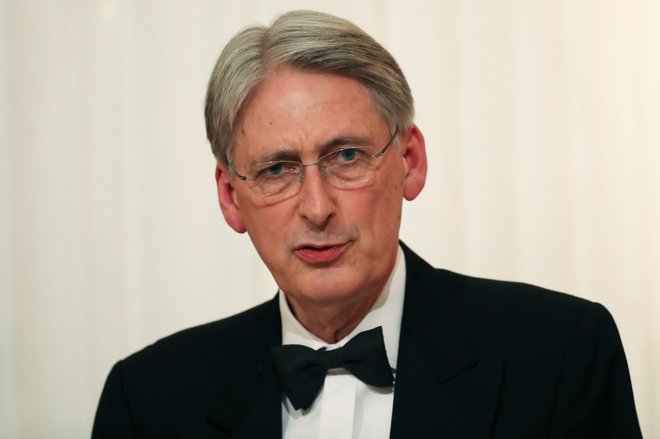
(542, 122)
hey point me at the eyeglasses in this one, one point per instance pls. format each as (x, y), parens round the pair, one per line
(346, 168)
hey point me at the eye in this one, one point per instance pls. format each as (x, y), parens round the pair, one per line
(273, 170)
(348, 154)
(353, 156)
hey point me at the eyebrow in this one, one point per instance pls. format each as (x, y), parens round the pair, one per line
(334, 143)
(342, 141)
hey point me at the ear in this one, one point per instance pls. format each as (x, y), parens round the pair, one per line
(413, 150)
(227, 198)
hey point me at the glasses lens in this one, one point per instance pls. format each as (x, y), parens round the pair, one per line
(275, 178)
(348, 167)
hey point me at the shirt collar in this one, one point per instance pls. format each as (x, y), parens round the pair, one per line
(385, 312)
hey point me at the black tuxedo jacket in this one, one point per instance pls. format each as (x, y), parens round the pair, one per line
(477, 359)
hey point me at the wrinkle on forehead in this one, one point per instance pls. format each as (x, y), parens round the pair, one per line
(305, 113)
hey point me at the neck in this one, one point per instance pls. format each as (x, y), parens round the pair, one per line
(334, 321)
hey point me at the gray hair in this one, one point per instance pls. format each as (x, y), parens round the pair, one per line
(309, 41)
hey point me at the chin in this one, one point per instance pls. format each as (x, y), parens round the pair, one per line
(327, 289)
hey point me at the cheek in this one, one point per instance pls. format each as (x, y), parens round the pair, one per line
(264, 224)
(380, 209)
(392, 202)
(267, 229)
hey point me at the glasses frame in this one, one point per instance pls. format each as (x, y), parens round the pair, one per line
(303, 166)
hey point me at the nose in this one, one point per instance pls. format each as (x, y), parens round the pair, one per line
(316, 201)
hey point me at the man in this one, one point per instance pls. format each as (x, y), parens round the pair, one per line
(311, 123)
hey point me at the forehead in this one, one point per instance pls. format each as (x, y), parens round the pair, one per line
(296, 110)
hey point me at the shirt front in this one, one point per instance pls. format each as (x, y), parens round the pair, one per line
(346, 408)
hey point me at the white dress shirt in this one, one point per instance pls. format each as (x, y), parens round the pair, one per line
(346, 408)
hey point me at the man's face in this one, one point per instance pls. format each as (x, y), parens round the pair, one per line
(323, 244)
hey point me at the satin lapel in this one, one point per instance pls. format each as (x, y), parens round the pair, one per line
(250, 406)
(442, 388)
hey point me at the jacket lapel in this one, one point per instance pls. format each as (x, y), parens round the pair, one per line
(263, 417)
(442, 387)
(248, 405)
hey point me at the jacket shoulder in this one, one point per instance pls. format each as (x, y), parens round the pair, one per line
(211, 339)
(499, 314)
(509, 296)
(152, 389)
(520, 312)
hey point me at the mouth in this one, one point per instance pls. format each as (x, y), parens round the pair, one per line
(320, 253)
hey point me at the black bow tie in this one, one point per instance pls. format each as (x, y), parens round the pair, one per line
(302, 370)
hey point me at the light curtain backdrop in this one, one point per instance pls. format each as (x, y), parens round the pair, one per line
(542, 121)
